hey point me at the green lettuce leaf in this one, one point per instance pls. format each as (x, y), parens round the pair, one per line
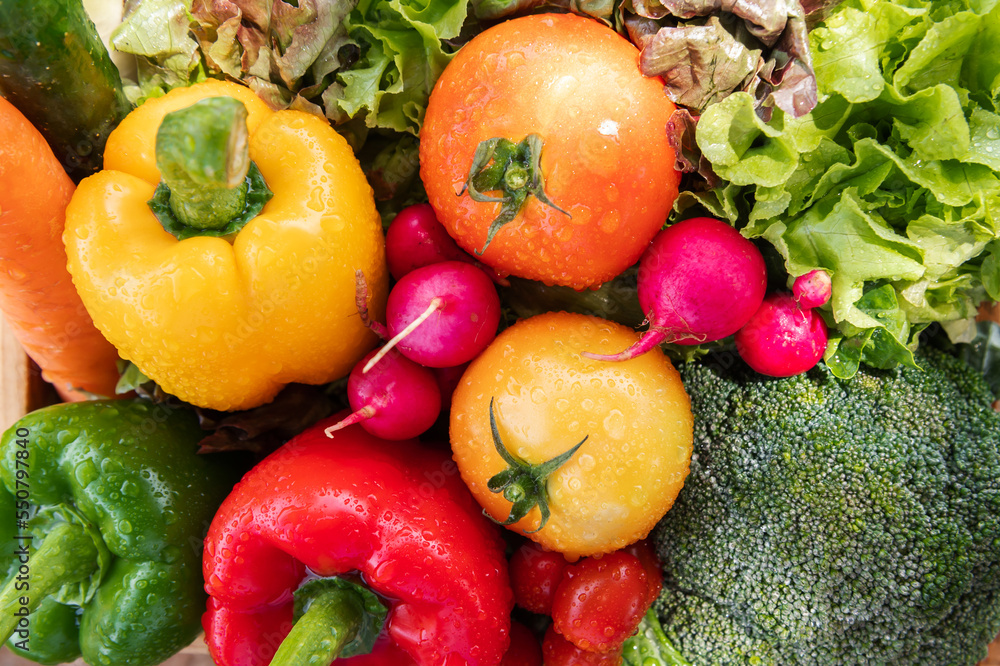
(158, 31)
(889, 341)
(890, 184)
(743, 148)
(847, 48)
(990, 270)
(404, 50)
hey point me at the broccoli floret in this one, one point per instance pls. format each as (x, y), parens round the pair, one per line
(831, 522)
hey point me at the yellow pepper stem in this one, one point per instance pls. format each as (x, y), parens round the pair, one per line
(203, 157)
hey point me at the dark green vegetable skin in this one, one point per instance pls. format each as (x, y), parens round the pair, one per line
(831, 522)
(56, 71)
(126, 475)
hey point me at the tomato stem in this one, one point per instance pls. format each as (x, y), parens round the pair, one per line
(500, 165)
(515, 179)
(524, 485)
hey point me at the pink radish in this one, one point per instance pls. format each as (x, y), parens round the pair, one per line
(699, 280)
(442, 315)
(782, 339)
(812, 289)
(415, 238)
(396, 399)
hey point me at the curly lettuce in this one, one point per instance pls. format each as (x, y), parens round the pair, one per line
(705, 49)
(371, 62)
(890, 184)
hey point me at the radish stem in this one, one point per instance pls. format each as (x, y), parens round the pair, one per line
(434, 305)
(362, 414)
(361, 303)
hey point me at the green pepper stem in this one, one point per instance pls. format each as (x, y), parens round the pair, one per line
(650, 645)
(331, 621)
(203, 157)
(66, 555)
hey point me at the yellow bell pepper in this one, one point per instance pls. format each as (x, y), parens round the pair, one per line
(224, 321)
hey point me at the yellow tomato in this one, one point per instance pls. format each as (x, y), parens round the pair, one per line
(633, 419)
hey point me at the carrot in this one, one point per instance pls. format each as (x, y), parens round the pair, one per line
(37, 296)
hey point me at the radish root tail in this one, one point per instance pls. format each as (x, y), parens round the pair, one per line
(362, 414)
(433, 307)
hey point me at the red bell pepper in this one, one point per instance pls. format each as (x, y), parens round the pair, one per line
(358, 513)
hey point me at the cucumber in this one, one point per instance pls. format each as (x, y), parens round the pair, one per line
(57, 72)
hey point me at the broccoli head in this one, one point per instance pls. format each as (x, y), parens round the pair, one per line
(832, 522)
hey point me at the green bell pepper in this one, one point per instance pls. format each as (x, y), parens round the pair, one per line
(103, 510)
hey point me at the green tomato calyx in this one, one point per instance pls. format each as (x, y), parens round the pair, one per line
(522, 484)
(514, 169)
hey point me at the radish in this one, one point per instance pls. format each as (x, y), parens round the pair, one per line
(448, 380)
(441, 315)
(812, 289)
(699, 280)
(396, 399)
(782, 339)
(415, 238)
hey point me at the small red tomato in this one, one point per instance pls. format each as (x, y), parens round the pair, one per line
(534, 576)
(557, 651)
(601, 601)
(524, 648)
(651, 564)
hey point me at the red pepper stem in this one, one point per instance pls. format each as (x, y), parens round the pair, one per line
(331, 621)
(67, 555)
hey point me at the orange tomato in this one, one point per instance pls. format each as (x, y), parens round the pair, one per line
(633, 418)
(606, 166)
